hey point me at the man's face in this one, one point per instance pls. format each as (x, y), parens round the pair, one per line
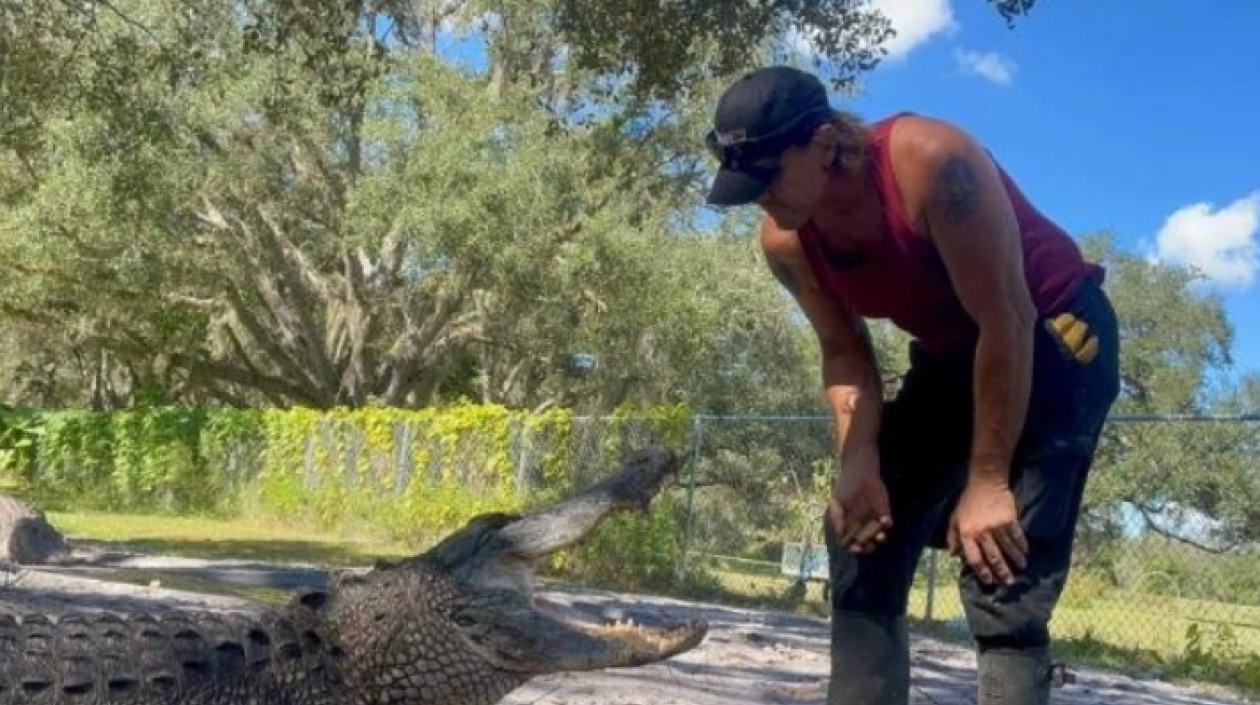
(798, 187)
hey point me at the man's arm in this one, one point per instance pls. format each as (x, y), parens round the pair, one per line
(958, 195)
(849, 368)
(970, 219)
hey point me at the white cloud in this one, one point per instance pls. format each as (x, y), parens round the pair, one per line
(915, 22)
(991, 66)
(458, 25)
(1221, 244)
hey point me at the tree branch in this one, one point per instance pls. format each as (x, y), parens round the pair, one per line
(1154, 526)
(279, 390)
(128, 20)
(241, 315)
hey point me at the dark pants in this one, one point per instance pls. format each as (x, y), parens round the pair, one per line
(925, 439)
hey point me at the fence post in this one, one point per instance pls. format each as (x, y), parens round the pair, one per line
(931, 585)
(693, 459)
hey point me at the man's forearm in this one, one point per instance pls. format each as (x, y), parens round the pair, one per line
(1003, 378)
(856, 399)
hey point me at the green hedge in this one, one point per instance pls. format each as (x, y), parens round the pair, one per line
(397, 474)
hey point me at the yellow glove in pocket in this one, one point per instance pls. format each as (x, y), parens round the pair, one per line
(1074, 337)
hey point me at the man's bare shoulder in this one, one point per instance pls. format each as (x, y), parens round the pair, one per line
(921, 138)
(922, 148)
(779, 243)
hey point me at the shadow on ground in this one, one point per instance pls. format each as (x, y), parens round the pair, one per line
(272, 551)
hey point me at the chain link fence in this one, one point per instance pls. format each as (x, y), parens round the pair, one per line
(1166, 565)
(1166, 561)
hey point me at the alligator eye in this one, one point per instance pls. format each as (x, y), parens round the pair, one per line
(464, 620)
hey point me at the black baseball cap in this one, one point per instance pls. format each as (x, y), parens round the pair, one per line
(757, 118)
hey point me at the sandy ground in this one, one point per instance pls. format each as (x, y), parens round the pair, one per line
(750, 656)
(753, 656)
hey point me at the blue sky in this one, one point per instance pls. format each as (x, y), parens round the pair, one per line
(1138, 121)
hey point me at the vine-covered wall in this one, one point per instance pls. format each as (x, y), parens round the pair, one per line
(398, 474)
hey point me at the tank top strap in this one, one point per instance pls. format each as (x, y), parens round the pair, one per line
(896, 219)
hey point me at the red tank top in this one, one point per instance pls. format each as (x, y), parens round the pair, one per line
(905, 281)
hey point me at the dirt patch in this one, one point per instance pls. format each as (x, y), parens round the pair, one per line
(750, 656)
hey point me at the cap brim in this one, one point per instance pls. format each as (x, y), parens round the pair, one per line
(739, 188)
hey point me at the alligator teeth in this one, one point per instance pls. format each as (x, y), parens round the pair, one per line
(626, 625)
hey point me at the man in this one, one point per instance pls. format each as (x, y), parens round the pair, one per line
(1014, 367)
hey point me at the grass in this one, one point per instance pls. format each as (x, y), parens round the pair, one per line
(239, 539)
(1148, 622)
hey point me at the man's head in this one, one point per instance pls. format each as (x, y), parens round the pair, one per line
(777, 139)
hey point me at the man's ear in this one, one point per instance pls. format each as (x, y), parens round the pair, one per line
(827, 139)
(825, 135)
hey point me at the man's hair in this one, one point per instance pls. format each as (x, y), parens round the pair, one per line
(852, 148)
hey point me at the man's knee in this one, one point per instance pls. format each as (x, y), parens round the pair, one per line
(1017, 616)
(876, 583)
(1049, 486)
(1022, 623)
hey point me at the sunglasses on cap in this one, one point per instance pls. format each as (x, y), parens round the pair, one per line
(732, 148)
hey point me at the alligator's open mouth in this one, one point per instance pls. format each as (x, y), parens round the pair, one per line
(537, 635)
(523, 632)
(606, 641)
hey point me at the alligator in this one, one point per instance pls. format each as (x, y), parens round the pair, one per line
(459, 624)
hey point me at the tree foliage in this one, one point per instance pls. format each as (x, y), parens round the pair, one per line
(304, 203)
(1195, 482)
(667, 44)
(325, 203)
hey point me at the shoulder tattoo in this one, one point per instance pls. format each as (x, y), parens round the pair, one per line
(957, 190)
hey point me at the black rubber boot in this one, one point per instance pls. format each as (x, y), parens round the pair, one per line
(870, 660)
(1014, 676)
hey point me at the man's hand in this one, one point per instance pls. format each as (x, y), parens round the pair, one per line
(859, 506)
(985, 525)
